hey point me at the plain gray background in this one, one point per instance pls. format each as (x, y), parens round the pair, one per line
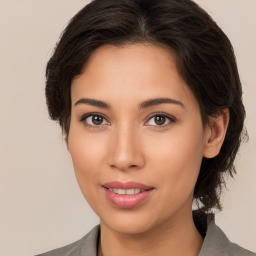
(41, 206)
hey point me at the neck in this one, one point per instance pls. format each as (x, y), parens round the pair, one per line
(178, 236)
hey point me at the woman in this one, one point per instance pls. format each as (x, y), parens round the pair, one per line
(149, 99)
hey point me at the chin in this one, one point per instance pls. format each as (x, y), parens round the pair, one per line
(130, 223)
(128, 228)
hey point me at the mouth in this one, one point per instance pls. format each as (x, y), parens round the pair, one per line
(128, 194)
(131, 191)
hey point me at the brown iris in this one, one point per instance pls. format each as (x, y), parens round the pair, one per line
(160, 120)
(97, 120)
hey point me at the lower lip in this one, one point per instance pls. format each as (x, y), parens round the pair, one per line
(127, 201)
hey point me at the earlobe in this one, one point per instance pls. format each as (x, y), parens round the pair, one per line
(215, 133)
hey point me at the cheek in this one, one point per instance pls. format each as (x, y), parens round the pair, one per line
(176, 160)
(87, 155)
(175, 166)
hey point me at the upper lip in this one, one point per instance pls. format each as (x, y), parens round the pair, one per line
(127, 185)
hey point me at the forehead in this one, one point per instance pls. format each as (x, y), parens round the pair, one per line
(133, 71)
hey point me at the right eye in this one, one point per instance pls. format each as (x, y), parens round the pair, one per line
(94, 120)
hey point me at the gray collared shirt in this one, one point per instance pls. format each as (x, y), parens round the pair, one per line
(215, 241)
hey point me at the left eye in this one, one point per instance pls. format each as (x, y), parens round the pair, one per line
(94, 120)
(160, 120)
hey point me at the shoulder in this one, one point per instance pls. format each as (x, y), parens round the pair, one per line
(85, 246)
(236, 250)
(222, 244)
(216, 242)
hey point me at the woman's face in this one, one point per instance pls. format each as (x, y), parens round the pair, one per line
(136, 137)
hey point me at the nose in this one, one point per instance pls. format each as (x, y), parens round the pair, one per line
(125, 151)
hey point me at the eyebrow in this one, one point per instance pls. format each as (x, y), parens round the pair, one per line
(158, 101)
(144, 104)
(93, 102)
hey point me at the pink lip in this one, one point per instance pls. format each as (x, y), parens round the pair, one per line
(127, 201)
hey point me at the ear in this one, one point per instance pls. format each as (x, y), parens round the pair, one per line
(215, 133)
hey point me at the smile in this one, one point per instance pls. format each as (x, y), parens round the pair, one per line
(120, 191)
(128, 194)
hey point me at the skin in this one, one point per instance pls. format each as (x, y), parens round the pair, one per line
(130, 145)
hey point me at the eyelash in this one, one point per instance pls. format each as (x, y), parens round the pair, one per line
(171, 119)
(84, 117)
